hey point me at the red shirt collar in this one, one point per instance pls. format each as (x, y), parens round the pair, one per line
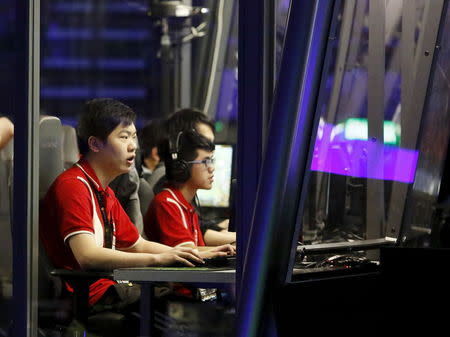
(89, 172)
(178, 196)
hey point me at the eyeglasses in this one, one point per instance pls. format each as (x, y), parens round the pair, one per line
(207, 162)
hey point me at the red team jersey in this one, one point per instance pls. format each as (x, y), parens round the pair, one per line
(172, 220)
(70, 207)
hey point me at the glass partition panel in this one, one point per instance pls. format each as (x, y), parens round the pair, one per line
(363, 155)
(152, 56)
(8, 55)
(427, 218)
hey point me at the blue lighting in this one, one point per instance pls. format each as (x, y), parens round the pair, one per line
(121, 92)
(56, 33)
(65, 34)
(70, 7)
(126, 34)
(86, 63)
(66, 63)
(88, 92)
(128, 64)
(66, 92)
(121, 7)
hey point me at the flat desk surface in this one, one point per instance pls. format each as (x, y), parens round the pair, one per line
(172, 274)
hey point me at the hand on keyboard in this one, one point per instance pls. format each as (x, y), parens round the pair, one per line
(214, 262)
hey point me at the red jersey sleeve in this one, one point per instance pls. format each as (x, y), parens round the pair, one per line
(73, 207)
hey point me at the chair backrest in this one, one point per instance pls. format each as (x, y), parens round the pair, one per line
(146, 195)
(50, 152)
(50, 288)
(126, 188)
(54, 307)
(71, 152)
(50, 166)
(157, 179)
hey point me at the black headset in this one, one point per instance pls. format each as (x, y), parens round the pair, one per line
(178, 169)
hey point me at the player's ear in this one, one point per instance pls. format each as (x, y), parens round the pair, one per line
(95, 144)
(154, 153)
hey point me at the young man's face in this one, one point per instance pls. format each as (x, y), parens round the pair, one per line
(202, 176)
(119, 149)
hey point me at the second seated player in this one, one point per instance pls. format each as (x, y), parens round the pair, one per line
(171, 218)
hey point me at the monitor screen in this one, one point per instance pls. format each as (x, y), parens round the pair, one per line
(219, 194)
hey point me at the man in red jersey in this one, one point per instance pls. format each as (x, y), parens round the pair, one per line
(171, 218)
(214, 234)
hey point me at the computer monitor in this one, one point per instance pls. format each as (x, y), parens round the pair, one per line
(219, 194)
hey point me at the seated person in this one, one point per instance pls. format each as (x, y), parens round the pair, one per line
(82, 224)
(186, 119)
(171, 218)
(150, 137)
(182, 120)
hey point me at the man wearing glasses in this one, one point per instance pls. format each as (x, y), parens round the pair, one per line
(171, 218)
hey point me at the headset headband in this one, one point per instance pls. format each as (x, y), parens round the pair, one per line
(174, 152)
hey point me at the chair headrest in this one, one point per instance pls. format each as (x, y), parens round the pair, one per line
(71, 152)
(50, 152)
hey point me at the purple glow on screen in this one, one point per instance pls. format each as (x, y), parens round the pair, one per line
(351, 157)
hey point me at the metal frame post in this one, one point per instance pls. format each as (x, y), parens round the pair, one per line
(25, 191)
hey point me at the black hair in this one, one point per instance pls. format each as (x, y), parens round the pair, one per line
(185, 145)
(150, 136)
(184, 120)
(100, 116)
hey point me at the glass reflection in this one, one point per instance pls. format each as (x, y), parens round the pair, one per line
(346, 164)
(427, 217)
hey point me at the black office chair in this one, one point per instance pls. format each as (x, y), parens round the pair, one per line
(61, 311)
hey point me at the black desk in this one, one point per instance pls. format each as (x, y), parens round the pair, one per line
(149, 275)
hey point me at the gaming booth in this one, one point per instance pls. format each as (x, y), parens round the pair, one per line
(350, 226)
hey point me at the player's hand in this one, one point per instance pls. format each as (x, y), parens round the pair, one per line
(229, 249)
(223, 250)
(179, 255)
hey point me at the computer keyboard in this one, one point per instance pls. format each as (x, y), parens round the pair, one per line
(220, 262)
(334, 267)
(216, 262)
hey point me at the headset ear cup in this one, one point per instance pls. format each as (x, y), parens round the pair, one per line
(179, 171)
